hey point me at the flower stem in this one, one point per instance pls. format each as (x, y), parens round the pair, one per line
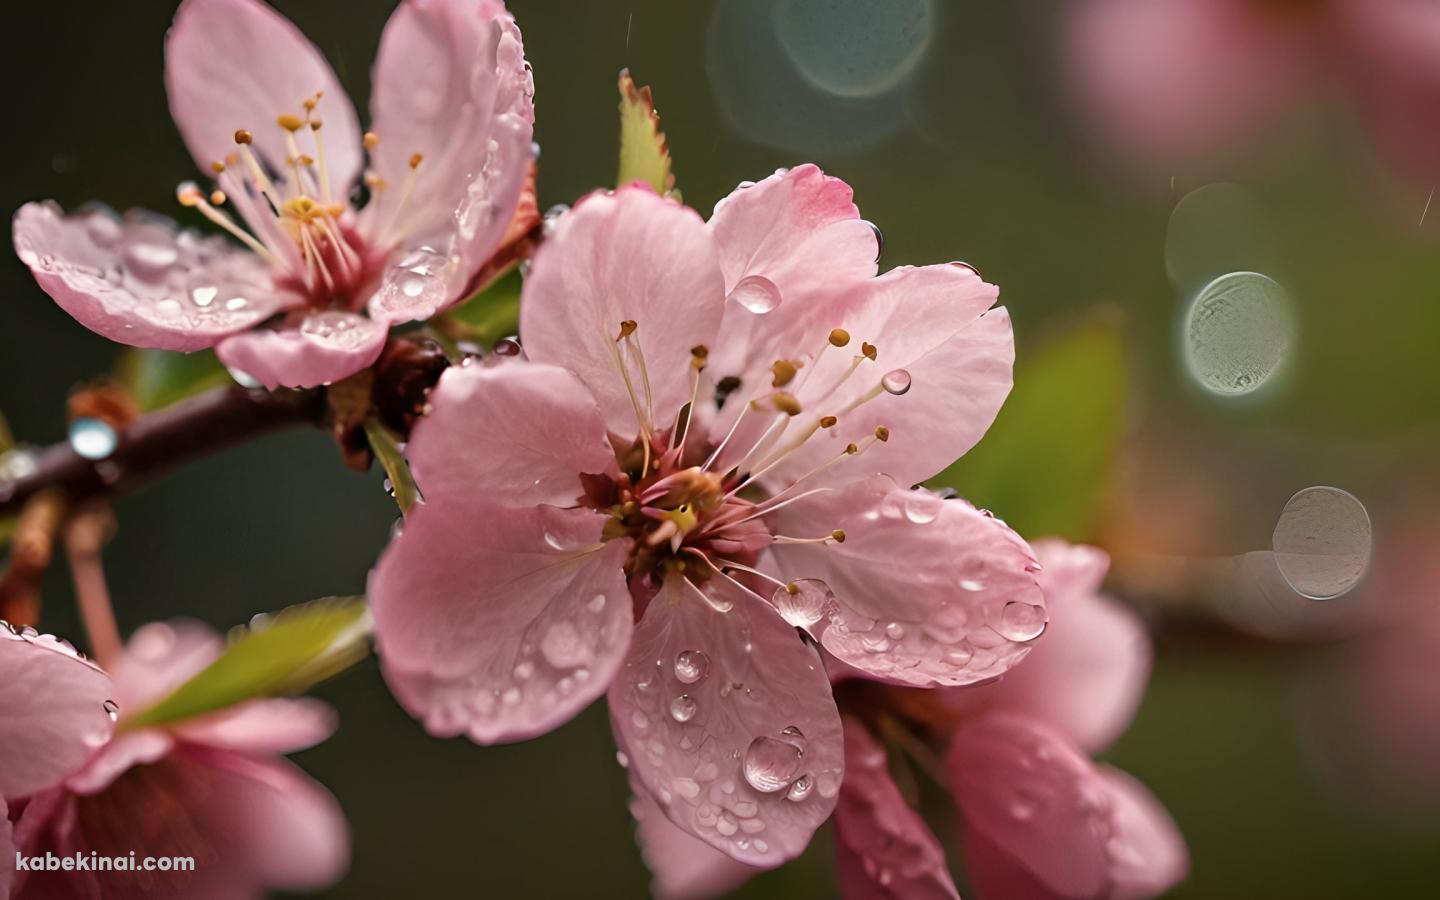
(84, 538)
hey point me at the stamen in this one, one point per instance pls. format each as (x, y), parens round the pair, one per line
(397, 217)
(784, 371)
(262, 181)
(749, 571)
(835, 537)
(786, 403)
(725, 575)
(627, 328)
(699, 355)
(190, 196)
(634, 347)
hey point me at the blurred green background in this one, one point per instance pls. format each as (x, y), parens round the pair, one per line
(950, 121)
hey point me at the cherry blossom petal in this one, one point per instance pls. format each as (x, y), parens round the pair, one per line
(685, 867)
(1088, 675)
(1394, 54)
(158, 658)
(624, 256)
(452, 85)
(951, 361)
(139, 280)
(729, 722)
(238, 64)
(926, 591)
(1021, 787)
(54, 712)
(325, 347)
(883, 849)
(264, 726)
(1185, 78)
(517, 434)
(500, 623)
(122, 753)
(1148, 855)
(7, 851)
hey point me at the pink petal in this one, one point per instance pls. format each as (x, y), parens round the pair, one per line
(140, 281)
(238, 64)
(158, 658)
(7, 851)
(728, 716)
(264, 726)
(1088, 675)
(883, 849)
(1394, 55)
(1025, 789)
(327, 346)
(124, 752)
(500, 623)
(1185, 78)
(452, 84)
(931, 324)
(53, 714)
(926, 591)
(685, 868)
(517, 434)
(624, 256)
(1148, 856)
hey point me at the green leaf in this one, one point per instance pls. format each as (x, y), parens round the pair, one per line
(493, 313)
(281, 654)
(158, 378)
(644, 153)
(387, 450)
(1047, 463)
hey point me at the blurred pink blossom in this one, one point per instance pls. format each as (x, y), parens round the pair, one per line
(211, 788)
(449, 158)
(1173, 80)
(1038, 818)
(708, 410)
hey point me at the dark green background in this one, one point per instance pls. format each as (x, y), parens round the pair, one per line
(976, 159)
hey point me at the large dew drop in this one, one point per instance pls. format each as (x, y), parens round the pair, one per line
(896, 381)
(757, 294)
(683, 708)
(802, 603)
(1020, 621)
(1322, 542)
(691, 666)
(771, 764)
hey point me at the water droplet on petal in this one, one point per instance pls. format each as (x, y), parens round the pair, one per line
(806, 604)
(112, 709)
(801, 788)
(691, 666)
(553, 541)
(879, 240)
(771, 764)
(757, 294)
(597, 603)
(92, 438)
(970, 584)
(895, 630)
(149, 260)
(1020, 621)
(922, 507)
(683, 708)
(896, 381)
(564, 647)
(622, 759)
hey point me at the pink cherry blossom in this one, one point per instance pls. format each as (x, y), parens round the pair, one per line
(209, 788)
(56, 712)
(709, 444)
(1184, 78)
(448, 160)
(1038, 818)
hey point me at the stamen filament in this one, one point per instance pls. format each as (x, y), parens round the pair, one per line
(197, 200)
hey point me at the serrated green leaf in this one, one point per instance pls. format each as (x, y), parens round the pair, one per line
(281, 654)
(158, 378)
(491, 314)
(387, 450)
(644, 152)
(1047, 463)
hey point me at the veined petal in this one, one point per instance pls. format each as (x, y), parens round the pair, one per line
(500, 623)
(140, 281)
(1088, 674)
(685, 867)
(450, 84)
(729, 721)
(238, 64)
(264, 726)
(626, 256)
(324, 347)
(54, 713)
(926, 591)
(883, 849)
(518, 434)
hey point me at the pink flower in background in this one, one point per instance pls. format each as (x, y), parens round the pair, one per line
(56, 711)
(261, 110)
(704, 407)
(1038, 818)
(1177, 79)
(211, 788)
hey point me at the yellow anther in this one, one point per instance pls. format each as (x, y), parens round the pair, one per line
(700, 351)
(243, 137)
(217, 197)
(306, 160)
(828, 421)
(839, 337)
(882, 434)
(188, 195)
(868, 350)
(315, 124)
(786, 403)
(627, 328)
(371, 140)
(792, 588)
(217, 167)
(851, 449)
(374, 181)
(839, 535)
(289, 122)
(416, 159)
(784, 371)
(334, 210)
